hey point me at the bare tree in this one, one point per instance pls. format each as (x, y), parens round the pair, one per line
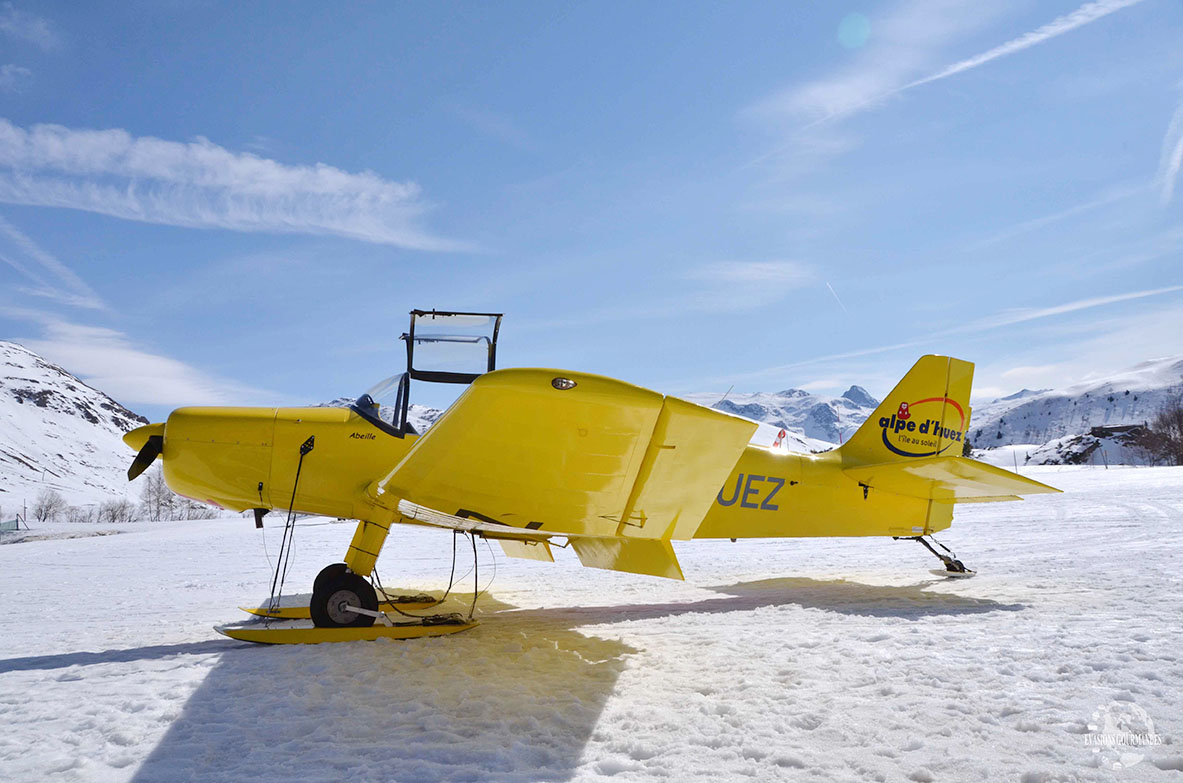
(48, 506)
(117, 512)
(1168, 426)
(157, 501)
(79, 514)
(191, 509)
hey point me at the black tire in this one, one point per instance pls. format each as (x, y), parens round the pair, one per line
(328, 605)
(330, 573)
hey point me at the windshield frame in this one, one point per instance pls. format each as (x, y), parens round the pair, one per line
(442, 376)
(365, 407)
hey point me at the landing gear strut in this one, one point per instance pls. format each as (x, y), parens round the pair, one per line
(953, 566)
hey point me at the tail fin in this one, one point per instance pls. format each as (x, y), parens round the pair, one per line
(926, 415)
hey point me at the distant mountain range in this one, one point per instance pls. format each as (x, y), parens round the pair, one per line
(1132, 396)
(812, 422)
(58, 432)
(418, 416)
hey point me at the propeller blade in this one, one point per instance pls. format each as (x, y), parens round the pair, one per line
(148, 454)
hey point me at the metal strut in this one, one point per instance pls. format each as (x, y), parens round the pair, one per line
(289, 532)
(951, 562)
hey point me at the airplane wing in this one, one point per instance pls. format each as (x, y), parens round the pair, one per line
(948, 479)
(550, 452)
(638, 556)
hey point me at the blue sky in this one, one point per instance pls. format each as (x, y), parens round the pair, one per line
(239, 203)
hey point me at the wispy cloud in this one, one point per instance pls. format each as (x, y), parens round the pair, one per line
(996, 321)
(1098, 350)
(1172, 157)
(904, 45)
(1012, 317)
(27, 27)
(1086, 14)
(719, 287)
(733, 286)
(13, 77)
(51, 278)
(201, 185)
(1111, 196)
(109, 360)
(491, 123)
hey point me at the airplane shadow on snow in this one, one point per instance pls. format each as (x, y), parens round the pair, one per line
(516, 699)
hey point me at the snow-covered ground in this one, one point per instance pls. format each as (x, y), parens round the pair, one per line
(775, 660)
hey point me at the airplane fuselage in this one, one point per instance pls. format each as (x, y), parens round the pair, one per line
(245, 458)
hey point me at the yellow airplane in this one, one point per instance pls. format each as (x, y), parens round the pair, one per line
(527, 456)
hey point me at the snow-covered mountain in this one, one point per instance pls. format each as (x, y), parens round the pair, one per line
(813, 422)
(418, 416)
(1132, 396)
(56, 432)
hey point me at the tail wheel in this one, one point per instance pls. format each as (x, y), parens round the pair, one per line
(329, 605)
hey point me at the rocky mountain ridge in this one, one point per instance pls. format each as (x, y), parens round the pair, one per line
(57, 432)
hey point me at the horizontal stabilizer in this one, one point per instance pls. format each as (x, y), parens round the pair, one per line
(947, 479)
(653, 557)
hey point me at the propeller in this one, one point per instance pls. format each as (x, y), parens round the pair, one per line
(147, 455)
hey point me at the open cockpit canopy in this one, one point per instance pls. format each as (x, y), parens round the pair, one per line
(442, 347)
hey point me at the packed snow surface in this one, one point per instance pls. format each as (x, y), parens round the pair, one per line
(823, 659)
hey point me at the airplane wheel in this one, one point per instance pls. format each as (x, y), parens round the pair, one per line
(329, 573)
(328, 605)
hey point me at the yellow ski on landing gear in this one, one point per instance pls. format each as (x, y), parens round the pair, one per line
(262, 633)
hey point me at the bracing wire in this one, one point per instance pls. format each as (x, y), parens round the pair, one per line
(444, 597)
(267, 554)
(476, 576)
(289, 530)
(493, 576)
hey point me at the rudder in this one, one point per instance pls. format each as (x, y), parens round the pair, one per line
(925, 415)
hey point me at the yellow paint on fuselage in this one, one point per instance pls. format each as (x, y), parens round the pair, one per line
(223, 455)
(779, 494)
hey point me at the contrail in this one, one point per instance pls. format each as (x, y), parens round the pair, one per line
(1089, 12)
(1172, 156)
(836, 299)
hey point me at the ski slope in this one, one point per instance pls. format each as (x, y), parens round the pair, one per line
(775, 660)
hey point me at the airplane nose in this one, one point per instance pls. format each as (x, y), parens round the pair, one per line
(139, 436)
(220, 456)
(149, 443)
